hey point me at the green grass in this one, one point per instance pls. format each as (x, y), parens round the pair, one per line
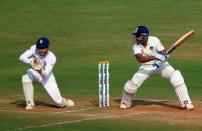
(86, 125)
(122, 124)
(84, 32)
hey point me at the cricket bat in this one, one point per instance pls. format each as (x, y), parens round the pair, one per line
(180, 41)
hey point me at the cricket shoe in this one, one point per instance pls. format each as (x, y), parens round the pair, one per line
(32, 103)
(29, 107)
(68, 102)
(124, 105)
(189, 106)
(65, 102)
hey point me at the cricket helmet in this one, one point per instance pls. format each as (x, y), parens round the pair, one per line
(42, 43)
(141, 30)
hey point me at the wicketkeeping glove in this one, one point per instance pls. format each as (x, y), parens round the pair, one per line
(37, 65)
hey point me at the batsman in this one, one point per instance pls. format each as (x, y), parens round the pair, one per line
(150, 52)
(42, 62)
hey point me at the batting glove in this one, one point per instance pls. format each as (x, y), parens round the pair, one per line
(158, 63)
(161, 56)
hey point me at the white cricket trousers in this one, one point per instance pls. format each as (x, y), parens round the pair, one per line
(145, 72)
(168, 72)
(49, 83)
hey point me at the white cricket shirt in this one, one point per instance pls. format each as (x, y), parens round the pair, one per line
(32, 53)
(154, 45)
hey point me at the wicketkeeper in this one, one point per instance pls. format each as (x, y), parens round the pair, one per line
(42, 61)
(149, 51)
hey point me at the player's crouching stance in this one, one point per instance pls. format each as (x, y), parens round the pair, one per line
(152, 55)
(42, 61)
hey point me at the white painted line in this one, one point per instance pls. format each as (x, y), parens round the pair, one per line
(60, 123)
(21, 111)
(77, 121)
(131, 114)
(61, 112)
(17, 95)
(88, 115)
(157, 100)
(114, 116)
(147, 99)
(172, 123)
(68, 111)
(4, 100)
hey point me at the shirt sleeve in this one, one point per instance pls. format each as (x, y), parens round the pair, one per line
(136, 50)
(159, 46)
(48, 66)
(25, 56)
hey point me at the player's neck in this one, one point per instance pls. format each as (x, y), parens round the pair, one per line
(144, 44)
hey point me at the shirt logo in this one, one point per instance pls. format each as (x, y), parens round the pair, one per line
(136, 30)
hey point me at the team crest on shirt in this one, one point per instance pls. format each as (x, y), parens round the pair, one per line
(151, 47)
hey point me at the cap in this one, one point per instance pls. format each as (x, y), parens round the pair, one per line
(42, 43)
(141, 30)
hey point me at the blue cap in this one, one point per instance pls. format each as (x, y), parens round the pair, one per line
(141, 30)
(42, 43)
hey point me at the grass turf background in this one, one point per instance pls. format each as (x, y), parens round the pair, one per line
(82, 33)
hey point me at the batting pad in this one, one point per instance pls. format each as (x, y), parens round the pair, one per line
(180, 88)
(127, 98)
(182, 94)
(28, 90)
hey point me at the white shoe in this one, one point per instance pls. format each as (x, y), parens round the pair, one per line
(29, 107)
(124, 105)
(65, 102)
(32, 103)
(68, 102)
(189, 106)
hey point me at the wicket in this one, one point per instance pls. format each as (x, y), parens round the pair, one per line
(103, 68)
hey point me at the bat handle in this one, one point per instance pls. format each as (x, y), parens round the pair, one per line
(171, 50)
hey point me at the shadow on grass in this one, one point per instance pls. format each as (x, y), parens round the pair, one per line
(22, 104)
(150, 102)
(94, 102)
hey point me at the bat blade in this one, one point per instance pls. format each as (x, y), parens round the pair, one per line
(180, 41)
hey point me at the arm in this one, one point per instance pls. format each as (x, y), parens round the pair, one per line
(48, 67)
(143, 59)
(25, 56)
(138, 54)
(47, 70)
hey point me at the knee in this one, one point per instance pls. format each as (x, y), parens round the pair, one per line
(30, 71)
(34, 75)
(131, 87)
(176, 78)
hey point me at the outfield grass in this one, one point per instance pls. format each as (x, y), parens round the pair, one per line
(84, 32)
